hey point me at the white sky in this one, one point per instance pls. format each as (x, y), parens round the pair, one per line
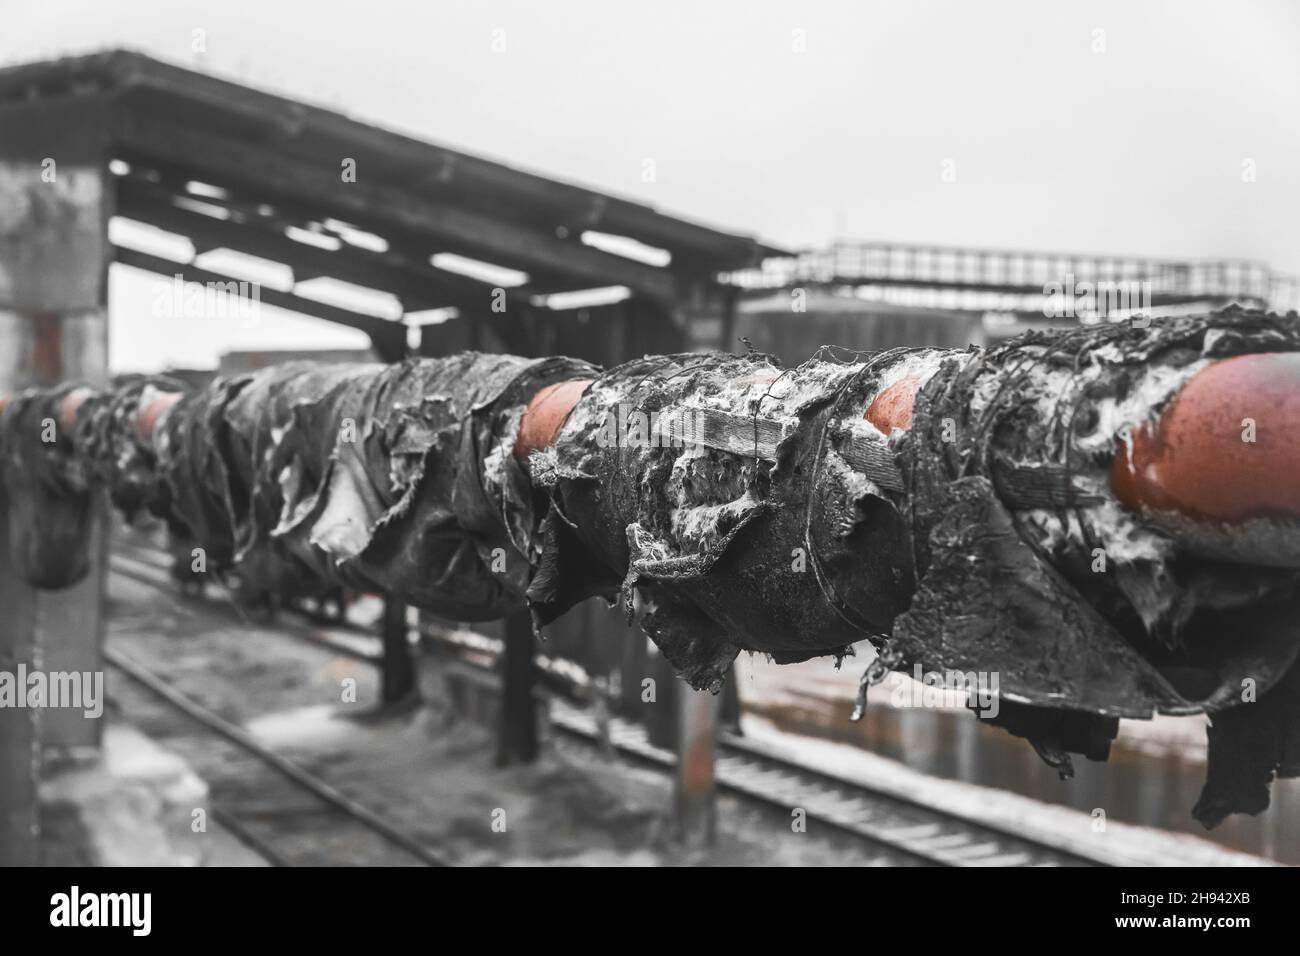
(1138, 149)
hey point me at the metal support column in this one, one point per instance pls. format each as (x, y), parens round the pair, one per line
(397, 669)
(517, 740)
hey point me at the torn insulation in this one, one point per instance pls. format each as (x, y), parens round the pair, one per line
(956, 508)
(46, 488)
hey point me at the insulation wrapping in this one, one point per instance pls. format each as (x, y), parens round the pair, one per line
(1078, 641)
(392, 478)
(737, 505)
(46, 488)
(728, 550)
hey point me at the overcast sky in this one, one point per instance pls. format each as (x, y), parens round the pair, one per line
(1093, 127)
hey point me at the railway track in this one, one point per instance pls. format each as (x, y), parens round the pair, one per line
(899, 826)
(905, 827)
(273, 805)
(260, 804)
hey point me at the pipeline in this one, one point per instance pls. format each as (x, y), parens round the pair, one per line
(1106, 518)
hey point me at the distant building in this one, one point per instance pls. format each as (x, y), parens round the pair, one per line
(238, 362)
(1009, 290)
(794, 328)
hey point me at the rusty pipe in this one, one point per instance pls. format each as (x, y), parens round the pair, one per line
(549, 409)
(1219, 468)
(1226, 448)
(891, 409)
(152, 408)
(70, 406)
(546, 414)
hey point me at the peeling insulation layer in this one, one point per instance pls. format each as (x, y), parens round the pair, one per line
(965, 522)
(1087, 611)
(796, 555)
(107, 437)
(394, 478)
(46, 490)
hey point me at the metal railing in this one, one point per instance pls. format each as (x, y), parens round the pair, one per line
(997, 273)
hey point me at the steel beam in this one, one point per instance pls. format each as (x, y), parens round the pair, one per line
(377, 206)
(387, 335)
(418, 286)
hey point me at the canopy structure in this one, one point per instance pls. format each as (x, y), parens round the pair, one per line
(89, 141)
(229, 167)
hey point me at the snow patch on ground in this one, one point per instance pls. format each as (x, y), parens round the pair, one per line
(1122, 844)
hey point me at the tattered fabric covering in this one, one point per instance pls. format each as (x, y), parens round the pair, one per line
(729, 552)
(713, 539)
(46, 491)
(395, 478)
(108, 440)
(946, 573)
(402, 479)
(1019, 593)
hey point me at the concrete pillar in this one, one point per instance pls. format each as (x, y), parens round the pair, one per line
(56, 197)
(697, 729)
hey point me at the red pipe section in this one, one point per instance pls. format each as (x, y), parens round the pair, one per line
(892, 407)
(1226, 448)
(550, 407)
(546, 414)
(70, 405)
(147, 420)
(72, 402)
